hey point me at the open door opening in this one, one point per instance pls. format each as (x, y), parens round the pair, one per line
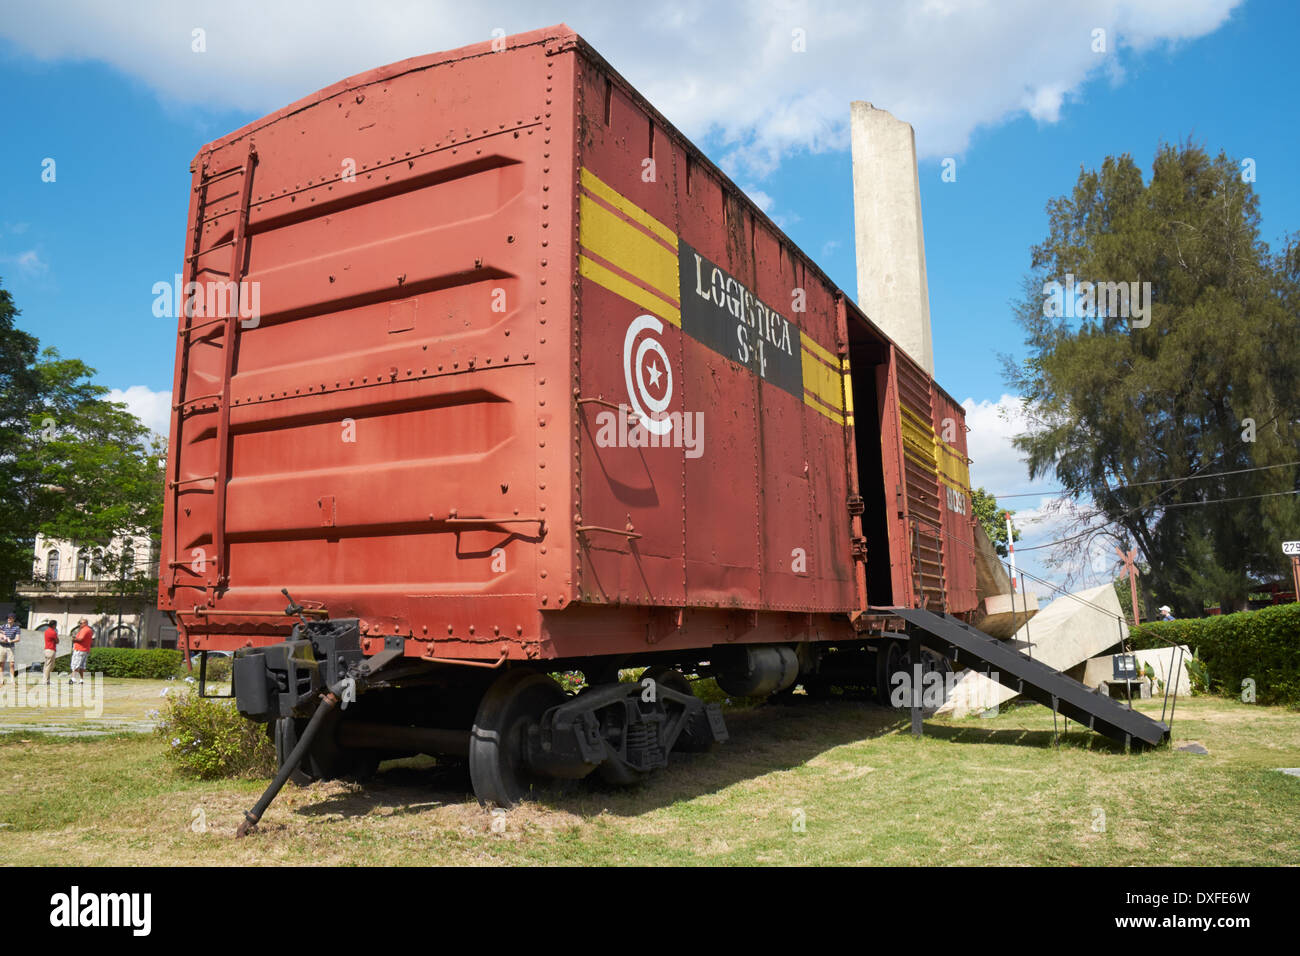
(869, 361)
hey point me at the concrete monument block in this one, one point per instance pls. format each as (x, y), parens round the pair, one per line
(892, 287)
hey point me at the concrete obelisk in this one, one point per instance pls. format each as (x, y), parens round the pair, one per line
(892, 287)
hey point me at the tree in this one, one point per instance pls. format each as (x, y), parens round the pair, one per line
(994, 519)
(18, 391)
(77, 466)
(1157, 424)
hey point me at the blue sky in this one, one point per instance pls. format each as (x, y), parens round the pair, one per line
(115, 97)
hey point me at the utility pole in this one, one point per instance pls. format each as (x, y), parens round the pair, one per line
(1011, 551)
(1132, 577)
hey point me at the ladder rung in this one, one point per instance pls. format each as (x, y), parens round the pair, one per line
(201, 325)
(204, 252)
(221, 175)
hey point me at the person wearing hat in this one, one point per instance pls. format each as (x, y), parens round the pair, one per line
(51, 648)
(1166, 613)
(10, 635)
(81, 651)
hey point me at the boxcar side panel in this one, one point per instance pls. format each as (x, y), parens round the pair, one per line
(699, 321)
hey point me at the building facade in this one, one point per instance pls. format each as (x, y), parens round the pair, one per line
(71, 582)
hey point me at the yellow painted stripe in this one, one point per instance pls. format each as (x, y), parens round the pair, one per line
(618, 242)
(818, 406)
(954, 467)
(918, 439)
(823, 382)
(598, 187)
(811, 345)
(629, 290)
(848, 390)
(917, 420)
(924, 447)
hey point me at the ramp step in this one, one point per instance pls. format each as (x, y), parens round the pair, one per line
(1032, 678)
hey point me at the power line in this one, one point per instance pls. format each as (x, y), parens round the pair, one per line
(1181, 504)
(1154, 481)
(1120, 517)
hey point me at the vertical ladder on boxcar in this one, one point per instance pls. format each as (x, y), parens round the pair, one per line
(921, 472)
(218, 331)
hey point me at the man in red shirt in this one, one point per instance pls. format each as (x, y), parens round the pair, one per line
(81, 651)
(51, 648)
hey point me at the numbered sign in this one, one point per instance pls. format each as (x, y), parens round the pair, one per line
(1291, 547)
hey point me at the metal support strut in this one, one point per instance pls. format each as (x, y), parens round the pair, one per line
(329, 699)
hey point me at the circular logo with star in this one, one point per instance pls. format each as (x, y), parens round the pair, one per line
(648, 374)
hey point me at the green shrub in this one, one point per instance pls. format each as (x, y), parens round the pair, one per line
(209, 739)
(1262, 646)
(151, 663)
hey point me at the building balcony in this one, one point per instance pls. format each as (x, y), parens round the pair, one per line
(40, 588)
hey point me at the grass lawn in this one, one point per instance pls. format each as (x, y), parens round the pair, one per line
(971, 792)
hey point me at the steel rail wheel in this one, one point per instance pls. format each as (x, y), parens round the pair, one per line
(284, 733)
(674, 679)
(890, 659)
(498, 751)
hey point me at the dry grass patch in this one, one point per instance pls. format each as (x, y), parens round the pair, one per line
(818, 782)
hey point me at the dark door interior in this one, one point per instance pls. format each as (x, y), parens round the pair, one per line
(869, 363)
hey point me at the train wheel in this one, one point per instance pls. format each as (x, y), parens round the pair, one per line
(890, 659)
(674, 679)
(498, 765)
(284, 732)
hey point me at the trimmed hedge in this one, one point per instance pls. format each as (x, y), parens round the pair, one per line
(1263, 646)
(155, 663)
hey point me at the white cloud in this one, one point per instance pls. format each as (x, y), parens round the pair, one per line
(761, 199)
(152, 408)
(29, 263)
(729, 68)
(995, 463)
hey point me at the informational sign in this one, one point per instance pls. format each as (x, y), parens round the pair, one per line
(1126, 666)
(1291, 547)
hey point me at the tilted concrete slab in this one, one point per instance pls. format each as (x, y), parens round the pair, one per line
(1163, 661)
(1067, 632)
(1004, 614)
(990, 573)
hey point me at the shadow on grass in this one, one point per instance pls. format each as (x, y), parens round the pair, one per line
(1021, 737)
(764, 739)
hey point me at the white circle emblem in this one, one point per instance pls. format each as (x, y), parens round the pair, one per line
(637, 392)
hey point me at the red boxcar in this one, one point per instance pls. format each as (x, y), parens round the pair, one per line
(482, 357)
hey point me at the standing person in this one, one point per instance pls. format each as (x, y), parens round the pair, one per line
(51, 648)
(81, 651)
(1166, 612)
(10, 635)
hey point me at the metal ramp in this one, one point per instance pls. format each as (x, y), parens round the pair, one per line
(969, 647)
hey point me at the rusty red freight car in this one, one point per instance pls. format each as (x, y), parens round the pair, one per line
(494, 374)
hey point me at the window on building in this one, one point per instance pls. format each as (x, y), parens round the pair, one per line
(52, 565)
(97, 565)
(128, 561)
(83, 565)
